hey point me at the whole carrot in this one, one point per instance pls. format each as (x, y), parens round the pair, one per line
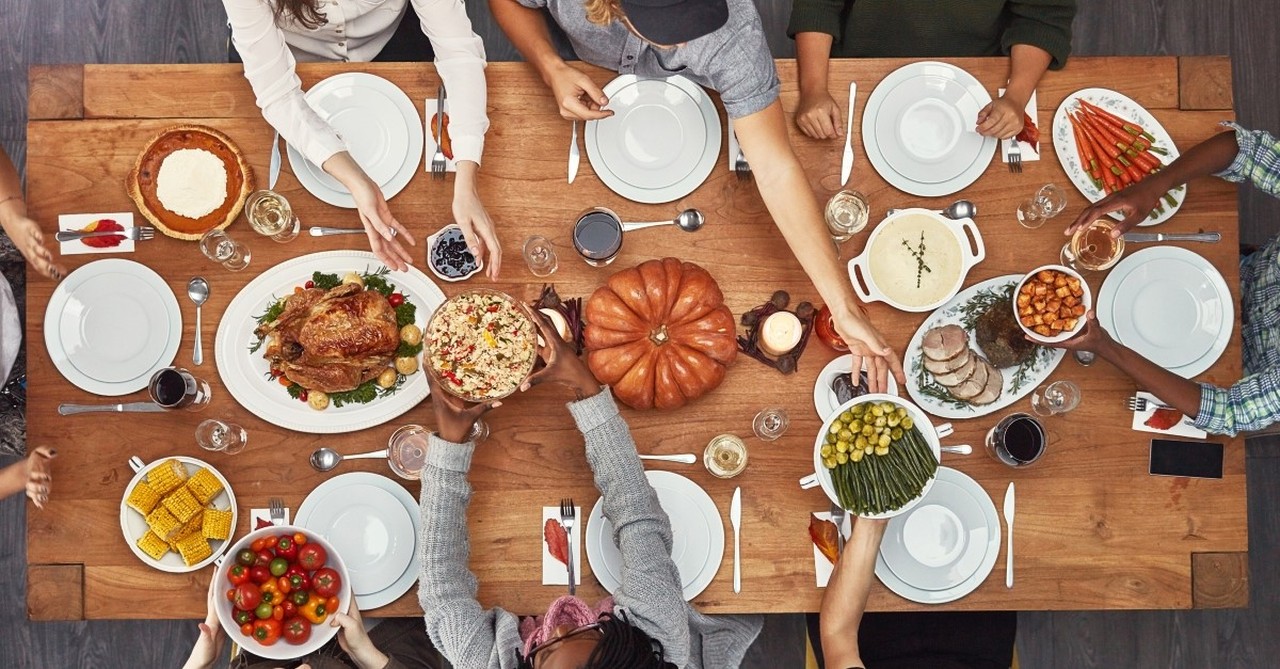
(1087, 160)
(1127, 126)
(1110, 136)
(1106, 165)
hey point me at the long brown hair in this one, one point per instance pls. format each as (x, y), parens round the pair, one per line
(305, 12)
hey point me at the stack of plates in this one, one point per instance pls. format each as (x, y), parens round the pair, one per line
(373, 523)
(110, 325)
(661, 142)
(380, 126)
(1170, 305)
(918, 129)
(943, 548)
(697, 535)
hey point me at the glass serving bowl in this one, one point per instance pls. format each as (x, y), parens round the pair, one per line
(525, 339)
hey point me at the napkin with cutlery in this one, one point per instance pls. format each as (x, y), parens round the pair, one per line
(554, 572)
(1185, 427)
(822, 567)
(78, 222)
(260, 518)
(429, 142)
(1030, 151)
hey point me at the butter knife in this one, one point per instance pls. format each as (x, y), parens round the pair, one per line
(127, 407)
(1008, 520)
(846, 163)
(573, 154)
(273, 171)
(735, 519)
(321, 231)
(1172, 237)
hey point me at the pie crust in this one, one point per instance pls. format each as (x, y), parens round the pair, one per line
(142, 180)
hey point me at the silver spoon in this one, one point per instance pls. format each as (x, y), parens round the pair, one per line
(198, 291)
(958, 210)
(684, 458)
(689, 220)
(962, 449)
(321, 231)
(324, 458)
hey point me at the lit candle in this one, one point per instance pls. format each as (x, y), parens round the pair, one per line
(780, 333)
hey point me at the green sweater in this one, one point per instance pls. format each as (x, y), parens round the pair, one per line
(937, 28)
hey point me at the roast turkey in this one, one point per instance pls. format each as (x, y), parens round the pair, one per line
(332, 340)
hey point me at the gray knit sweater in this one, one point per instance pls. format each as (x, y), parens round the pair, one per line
(650, 595)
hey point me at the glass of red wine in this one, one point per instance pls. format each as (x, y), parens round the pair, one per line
(176, 388)
(1018, 440)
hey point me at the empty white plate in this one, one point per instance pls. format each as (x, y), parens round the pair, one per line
(110, 325)
(697, 535)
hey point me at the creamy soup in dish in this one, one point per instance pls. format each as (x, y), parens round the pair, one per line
(915, 260)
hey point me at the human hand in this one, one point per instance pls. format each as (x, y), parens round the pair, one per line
(1001, 118)
(385, 233)
(1091, 337)
(353, 639)
(454, 416)
(577, 95)
(1134, 202)
(208, 646)
(818, 116)
(39, 479)
(28, 238)
(477, 227)
(561, 363)
(865, 343)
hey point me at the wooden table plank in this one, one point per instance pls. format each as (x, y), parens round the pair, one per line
(55, 92)
(1094, 531)
(1204, 82)
(1220, 580)
(55, 592)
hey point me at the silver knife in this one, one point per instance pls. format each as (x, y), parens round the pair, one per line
(273, 171)
(573, 154)
(321, 231)
(1172, 237)
(1008, 520)
(735, 519)
(127, 407)
(846, 163)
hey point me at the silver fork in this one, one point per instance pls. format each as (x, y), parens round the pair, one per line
(276, 507)
(1015, 156)
(837, 517)
(741, 167)
(139, 233)
(568, 514)
(1141, 404)
(437, 160)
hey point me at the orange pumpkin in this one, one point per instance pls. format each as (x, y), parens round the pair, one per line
(659, 333)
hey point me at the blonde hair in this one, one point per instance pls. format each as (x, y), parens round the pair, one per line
(603, 12)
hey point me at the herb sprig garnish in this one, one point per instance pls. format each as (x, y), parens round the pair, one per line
(918, 253)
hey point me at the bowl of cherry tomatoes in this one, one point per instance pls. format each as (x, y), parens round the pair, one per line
(282, 585)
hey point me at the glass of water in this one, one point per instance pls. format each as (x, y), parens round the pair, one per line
(270, 215)
(220, 436)
(847, 214)
(770, 423)
(1056, 398)
(217, 246)
(540, 255)
(1048, 202)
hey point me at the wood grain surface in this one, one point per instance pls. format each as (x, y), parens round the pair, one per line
(1094, 531)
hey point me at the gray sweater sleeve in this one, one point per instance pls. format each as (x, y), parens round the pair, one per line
(650, 594)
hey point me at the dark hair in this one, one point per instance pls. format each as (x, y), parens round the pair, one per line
(621, 646)
(305, 12)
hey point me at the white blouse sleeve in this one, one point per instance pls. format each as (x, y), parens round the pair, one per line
(269, 67)
(460, 60)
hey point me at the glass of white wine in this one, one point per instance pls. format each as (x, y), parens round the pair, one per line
(1093, 248)
(269, 215)
(846, 214)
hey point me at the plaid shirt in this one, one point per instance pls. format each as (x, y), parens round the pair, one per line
(1254, 401)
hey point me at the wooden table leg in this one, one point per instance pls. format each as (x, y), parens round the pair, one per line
(55, 592)
(1219, 580)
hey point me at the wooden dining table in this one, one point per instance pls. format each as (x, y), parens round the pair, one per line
(1094, 529)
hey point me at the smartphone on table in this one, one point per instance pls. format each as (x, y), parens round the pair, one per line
(1196, 459)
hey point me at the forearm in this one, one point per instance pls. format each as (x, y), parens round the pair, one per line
(1026, 65)
(845, 599)
(460, 62)
(1208, 157)
(12, 204)
(813, 58)
(467, 176)
(345, 169)
(527, 30)
(1180, 393)
(13, 479)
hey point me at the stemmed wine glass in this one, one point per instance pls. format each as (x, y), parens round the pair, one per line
(1048, 202)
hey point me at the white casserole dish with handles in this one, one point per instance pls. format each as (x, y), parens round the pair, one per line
(957, 248)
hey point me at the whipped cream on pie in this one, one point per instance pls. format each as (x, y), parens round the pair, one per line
(191, 183)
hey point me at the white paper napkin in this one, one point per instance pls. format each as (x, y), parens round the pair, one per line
(73, 222)
(1185, 427)
(1030, 151)
(264, 515)
(553, 571)
(429, 142)
(822, 568)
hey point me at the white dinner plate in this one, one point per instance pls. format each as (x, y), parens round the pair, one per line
(110, 325)
(133, 525)
(661, 141)
(1170, 305)
(380, 127)
(918, 129)
(1064, 144)
(245, 373)
(697, 535)
(963, 310)
(323, 513)
(824, 398)
(945, 547)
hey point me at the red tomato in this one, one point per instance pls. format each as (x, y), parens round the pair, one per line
(300, 539)
(267, 632)
(247, 629)
(395, 299)
(261, 543)
(259, 574)
(825, 328)
(309, 284)
(264, 558)
(302, 395)
(286, 548)
(231, 595)
(290, 609)
(247, 596)
(312, 557)
(326, 582)
(297, 630)
(238, 574)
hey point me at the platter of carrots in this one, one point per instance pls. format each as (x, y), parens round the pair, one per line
(1106, 141)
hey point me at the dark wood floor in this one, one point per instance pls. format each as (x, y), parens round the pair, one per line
(117, 31)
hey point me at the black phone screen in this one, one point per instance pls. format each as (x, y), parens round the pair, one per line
(1197, 459)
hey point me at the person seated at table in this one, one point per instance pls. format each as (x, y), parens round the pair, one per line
(22, 231)
(30, 474)
(719, 44)
(848, 639)
(1253, 402)
(646, 623)
(270, 36)
(1035, 34)
(390, 643)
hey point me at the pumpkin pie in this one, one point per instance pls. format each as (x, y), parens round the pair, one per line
(190, 179)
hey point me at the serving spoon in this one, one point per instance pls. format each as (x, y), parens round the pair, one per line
(685, 458)
(198, 291)
(962, 449)
(958, 210)
(689, 220)
(324, 459)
